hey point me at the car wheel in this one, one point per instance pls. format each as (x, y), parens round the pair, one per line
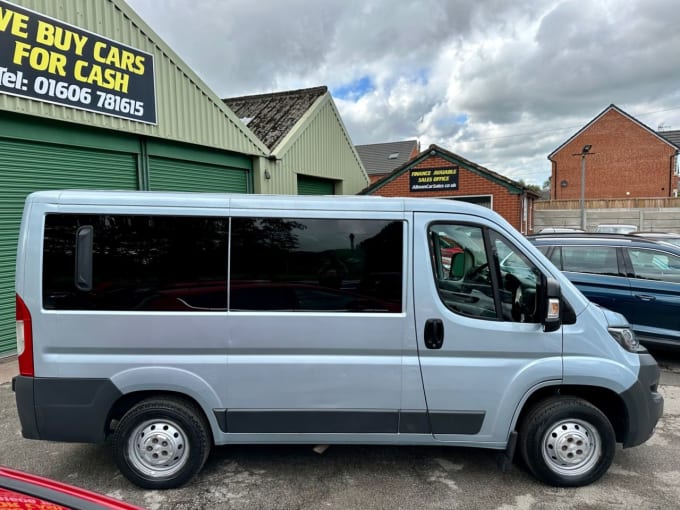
(567, 442)
(161, 443)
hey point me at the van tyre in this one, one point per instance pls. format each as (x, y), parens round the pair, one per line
(567, 442)
(161, 443)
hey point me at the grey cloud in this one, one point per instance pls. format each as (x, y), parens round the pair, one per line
(528, 67)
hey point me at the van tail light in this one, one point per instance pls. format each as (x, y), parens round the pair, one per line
(24, 339)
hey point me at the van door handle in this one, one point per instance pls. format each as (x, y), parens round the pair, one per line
(434, 334)
(645, 297)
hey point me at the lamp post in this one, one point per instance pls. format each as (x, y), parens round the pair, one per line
(584, 152)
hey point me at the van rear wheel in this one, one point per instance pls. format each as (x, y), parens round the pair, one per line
(161, 443)
(567, 442)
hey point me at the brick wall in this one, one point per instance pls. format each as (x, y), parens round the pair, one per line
(626, 161)
(469, 183)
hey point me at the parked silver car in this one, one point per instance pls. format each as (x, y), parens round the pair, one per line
(615, 228)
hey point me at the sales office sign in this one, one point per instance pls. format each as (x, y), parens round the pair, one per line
(48, 60)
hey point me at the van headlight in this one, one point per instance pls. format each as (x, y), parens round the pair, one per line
(626, 338)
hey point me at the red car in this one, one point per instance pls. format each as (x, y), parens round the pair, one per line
(23, 491)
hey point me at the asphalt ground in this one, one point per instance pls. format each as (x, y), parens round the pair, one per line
(364, 477)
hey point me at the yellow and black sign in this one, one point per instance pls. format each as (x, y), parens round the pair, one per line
(48, 60)
(433, 179)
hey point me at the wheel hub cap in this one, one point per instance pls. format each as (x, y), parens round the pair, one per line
(158, 448)
(571, 447)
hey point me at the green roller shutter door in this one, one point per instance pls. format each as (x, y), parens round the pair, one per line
(31, 166)
(314, 186)
(166, 174)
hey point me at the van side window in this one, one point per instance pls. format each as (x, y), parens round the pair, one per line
(319, 265)
(590, 259)
(461, 270)
(518, 280)
(154, 263)
(483, 279)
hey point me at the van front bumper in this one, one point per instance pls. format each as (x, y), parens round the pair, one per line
(63, 409)
(644, 403)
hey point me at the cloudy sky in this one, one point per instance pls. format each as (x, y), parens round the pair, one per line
(502, 83)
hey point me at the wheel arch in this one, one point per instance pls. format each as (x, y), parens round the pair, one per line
(142, 383)
(606, 400)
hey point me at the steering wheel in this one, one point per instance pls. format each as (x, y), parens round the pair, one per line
(476, 271)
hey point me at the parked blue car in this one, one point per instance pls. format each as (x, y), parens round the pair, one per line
(637, 277)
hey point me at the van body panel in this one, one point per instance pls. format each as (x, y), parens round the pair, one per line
(128, 340)
(598, 372)
(315, 377)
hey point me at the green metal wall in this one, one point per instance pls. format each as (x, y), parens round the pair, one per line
(182, 168)
(31, 166)
(175, 175)
(319, 146)
(314, 186)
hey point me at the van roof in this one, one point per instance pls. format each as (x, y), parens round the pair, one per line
(256, 201)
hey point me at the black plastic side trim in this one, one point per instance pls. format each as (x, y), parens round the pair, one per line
(23, 392)
(457, 423)
(274, 421)
(414, 422)
(310, 422)
(221, 417)
(644, 403)
(73, 410)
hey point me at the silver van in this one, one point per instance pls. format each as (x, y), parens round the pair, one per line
(172, 322)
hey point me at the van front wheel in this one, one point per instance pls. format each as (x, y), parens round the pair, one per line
(567, 442)
(161, 443)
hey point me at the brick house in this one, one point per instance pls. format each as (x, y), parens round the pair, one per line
(380, 159)
(626, 159)
(439, 173)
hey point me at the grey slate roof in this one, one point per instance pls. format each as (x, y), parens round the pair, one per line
(272, 116)
(671, 136)
(376, 156)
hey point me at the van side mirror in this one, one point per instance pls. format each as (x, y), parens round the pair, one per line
(551, 304)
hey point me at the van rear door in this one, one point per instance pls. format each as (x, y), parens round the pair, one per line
(480, 348)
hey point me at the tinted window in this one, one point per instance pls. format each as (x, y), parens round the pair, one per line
(589, 259)
(175, 263)
(316, 265)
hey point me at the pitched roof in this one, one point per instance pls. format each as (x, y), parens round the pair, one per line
(272, 116)
(671, 136)
(600, 115)
(435, 150)
(382, 158)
